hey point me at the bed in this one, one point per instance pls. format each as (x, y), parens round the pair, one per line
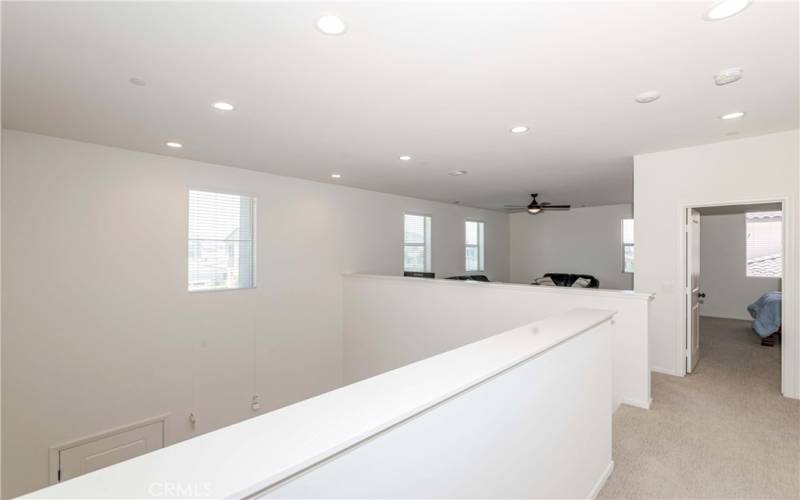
(766, 313)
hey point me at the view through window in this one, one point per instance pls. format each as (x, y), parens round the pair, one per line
(764, 244)
(221, 249)
(627, 245)
(473, 231)
(417, 243)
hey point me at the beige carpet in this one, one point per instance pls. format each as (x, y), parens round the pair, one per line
(723, 432)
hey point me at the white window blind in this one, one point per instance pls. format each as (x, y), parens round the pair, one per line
(417, 243)
(627, 245)
(221, 248)
(473, 231)
(764, 244)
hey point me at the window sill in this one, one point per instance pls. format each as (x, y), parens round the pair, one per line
(213, 290)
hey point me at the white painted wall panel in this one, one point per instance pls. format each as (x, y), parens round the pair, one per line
(559, 418)
(83, 458)
(100, 330)
(390, 322)
(539, 430)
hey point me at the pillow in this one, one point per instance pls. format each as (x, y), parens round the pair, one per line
(581, 283)
(546, 281)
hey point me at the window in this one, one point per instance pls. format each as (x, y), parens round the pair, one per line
(417, 243)
(473, 242)
(627, 245)
(764, 244)
(221, 249)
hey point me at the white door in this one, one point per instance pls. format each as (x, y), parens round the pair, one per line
(109, 450)
(692, 289)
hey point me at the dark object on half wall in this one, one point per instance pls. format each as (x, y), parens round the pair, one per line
(565, 279)
(416, 274)
(470, 277)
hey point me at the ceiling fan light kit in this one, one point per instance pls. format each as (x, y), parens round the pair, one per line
(536, 207)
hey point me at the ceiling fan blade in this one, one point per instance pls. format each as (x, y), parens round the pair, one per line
(516, 210)
(544, 203)
(557, 207)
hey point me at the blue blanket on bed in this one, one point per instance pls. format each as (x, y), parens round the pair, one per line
(766, 313)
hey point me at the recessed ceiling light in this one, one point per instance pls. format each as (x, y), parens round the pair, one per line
(733, 116)
(725, 9)
(223, 106)
(336, 176)
(456, 172)
(649, 96)
(331, 25)
(519, 129)
(727, 76)
(405, 158)
(175, 145)
(137, 81)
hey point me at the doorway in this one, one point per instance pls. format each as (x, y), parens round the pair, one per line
(733, 280)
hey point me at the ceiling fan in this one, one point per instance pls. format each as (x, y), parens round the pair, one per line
(535, 207)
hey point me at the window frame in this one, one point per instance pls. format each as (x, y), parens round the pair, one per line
(427, 245)
(254, 231)
(481, 246)
(625, 245)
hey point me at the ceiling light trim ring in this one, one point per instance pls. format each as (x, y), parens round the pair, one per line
(728, 76)
(726, 9)
(648, 97)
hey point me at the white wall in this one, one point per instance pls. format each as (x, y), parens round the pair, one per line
(499, 418)
(390, 322)
(762, 168)
(723, 277)
(582, 240)
(99, 330)
(539, 430)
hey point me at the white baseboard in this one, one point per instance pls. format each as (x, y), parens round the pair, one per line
(638, 403)
(665, 371)
(602, 481)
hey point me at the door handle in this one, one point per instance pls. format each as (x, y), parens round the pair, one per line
(701, 295)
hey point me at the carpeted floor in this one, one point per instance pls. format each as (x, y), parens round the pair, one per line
(723, 432)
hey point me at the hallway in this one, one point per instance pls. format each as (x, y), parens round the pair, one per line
(723, 432)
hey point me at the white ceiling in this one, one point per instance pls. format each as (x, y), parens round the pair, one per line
(442, 82)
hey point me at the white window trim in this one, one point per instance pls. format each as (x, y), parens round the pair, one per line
(427, 245)
(254, 215)
(481, 248)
